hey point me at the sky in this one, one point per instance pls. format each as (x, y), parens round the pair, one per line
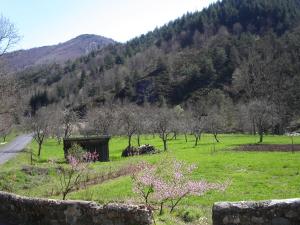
(48, 22)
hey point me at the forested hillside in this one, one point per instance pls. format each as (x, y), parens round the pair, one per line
(226, 56)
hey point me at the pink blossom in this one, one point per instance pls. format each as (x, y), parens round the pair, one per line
(171, 184)
(90, 156)
(73, 161)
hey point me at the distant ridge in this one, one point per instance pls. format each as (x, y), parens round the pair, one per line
(59, 53)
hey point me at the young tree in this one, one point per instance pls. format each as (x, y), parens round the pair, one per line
(171, 182)
(163, 123)
(141, 123)
(242, 119)
(149, 119)
(63, 121)
(40, 125)
(185, 124)
(8, 84)
(215, 122)
(197, 122)
(68, 120)
(8, 104)
(6, 124)
(72, 175)
(178, 120)
(127, 120)
(260, 114)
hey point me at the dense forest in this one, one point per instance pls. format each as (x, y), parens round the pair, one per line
(227, 56)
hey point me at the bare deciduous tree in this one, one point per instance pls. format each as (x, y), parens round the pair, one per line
(215, 122)
(6, 124)
(127, 121)
(260, 114)
(163, 123)
(8, 104)
(185, 126)
(242, 121)
(197, 125)
(8, 38)
(40, 125)
(63, 121)
(141, 122)
(69, 118)
(178, 113)
(8, 35)
(101, 120)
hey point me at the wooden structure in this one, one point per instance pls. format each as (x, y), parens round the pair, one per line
(91, 144)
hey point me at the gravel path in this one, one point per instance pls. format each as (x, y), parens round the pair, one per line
(13, 148)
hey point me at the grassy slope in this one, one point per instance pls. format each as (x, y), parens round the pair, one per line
(9, 138)
(254, 175)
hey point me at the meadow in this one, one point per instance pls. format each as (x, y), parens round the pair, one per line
(253, 175)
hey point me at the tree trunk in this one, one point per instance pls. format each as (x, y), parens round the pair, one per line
(293, 151)
(185, 136)
(161, 208)
(64, 195)
(253, 127)
(40, 149)
(165, 144)
(31, 157)
(4, 138)
(66, 134)
(216, 138)
(196, 141)
(58, 140)
(138, 140)
(261, 135)
(129, 141)
(175, 135)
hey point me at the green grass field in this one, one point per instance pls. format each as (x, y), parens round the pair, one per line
(8, 139)
(254, 175)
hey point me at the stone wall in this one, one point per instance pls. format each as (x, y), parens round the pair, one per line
(17, 210)
(274, 212)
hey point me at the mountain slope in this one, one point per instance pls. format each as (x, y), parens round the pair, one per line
(70, 50)
(228, 54)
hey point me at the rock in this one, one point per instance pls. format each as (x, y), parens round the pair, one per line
(72, 213)
(272, 212)
(280, 221)
(257, 220)
(21, 210)
(142, 150)
(130, 151)
(146, 149)
(232, 219)
(291, 214)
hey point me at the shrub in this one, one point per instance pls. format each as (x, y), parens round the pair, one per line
(76, 151)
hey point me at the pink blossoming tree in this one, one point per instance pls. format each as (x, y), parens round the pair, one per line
(70, 177)
(170, 182)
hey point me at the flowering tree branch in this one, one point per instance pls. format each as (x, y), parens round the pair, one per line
(170, 182)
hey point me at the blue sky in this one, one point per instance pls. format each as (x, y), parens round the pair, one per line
(47, 22)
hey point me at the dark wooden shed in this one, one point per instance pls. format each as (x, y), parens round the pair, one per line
(91, 144)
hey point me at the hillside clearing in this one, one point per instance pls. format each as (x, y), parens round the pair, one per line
(254, 175)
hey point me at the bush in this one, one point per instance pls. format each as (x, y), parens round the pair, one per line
(76, 151)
